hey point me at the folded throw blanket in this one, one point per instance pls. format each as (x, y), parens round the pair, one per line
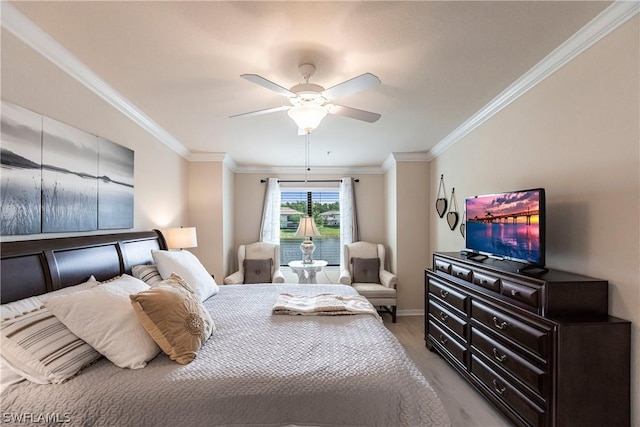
(323, 305)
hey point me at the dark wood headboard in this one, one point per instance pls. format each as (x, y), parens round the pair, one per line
(34, 267)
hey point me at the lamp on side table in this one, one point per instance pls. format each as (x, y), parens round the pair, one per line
(307, 229)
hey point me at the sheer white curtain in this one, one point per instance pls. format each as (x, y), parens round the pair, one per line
(270, 226)
(348, 217)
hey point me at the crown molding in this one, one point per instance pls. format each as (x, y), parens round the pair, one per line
(396, 157)
(599, 27)
(207, 157)
(388, 163)
(230, 163)
(319, 170)
(33, 36)
(419, 156)
(224, 158)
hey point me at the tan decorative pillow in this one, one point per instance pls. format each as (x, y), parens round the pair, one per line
(175, 280)
(175, 318)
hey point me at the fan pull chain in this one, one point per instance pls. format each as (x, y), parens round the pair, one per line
(306, 158)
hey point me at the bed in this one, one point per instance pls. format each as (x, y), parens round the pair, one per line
(256, 368)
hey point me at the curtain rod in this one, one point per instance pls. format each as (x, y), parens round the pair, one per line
(308, 180)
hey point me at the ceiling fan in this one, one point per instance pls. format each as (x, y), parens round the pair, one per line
(311, 102)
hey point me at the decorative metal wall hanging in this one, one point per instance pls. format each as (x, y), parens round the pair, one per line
(441, 201)
(452, 215)
(463, 227)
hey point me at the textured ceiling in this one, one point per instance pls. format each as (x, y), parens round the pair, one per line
(439, 63)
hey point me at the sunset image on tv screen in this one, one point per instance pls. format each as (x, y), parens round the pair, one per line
(506, 224)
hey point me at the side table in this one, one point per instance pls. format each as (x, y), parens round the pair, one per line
(307, 271)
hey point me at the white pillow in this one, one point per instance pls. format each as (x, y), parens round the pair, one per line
(40, 348)
(186, 265)
(103, 317)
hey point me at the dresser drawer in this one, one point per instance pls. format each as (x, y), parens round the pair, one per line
(532, 413)
(489, 282)
(448, 342)
(521, 293)
(529, 374)
(446, 317)
(508, 326)
(441, 265)
(447, 294)
(461, 272)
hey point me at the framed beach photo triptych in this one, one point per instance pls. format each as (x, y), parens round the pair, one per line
(56, 178)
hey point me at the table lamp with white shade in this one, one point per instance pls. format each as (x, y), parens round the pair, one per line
(307, 229)
(181, 238)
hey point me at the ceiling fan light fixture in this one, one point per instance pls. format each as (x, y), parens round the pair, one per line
(307, 116)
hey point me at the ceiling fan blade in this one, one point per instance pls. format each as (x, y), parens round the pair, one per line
(259, 80)
(353, 113)
(260, 112)
(356, 84)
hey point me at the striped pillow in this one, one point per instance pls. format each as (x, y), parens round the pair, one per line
(43, 350)
(148, 273)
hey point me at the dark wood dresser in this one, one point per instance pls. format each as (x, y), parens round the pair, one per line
(542, 348)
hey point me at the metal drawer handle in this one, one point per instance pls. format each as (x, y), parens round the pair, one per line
(499, 325)
(443, 340)
(444, 316)
(498, 388)
(514, 293)
(499, 358)
(444, 294)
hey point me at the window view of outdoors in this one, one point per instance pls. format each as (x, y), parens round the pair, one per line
(325, 209)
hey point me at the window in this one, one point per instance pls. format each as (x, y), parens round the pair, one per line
(324, 207)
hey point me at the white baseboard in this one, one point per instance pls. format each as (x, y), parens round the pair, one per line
(411, 312)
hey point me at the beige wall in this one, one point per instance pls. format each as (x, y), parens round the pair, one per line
(228, 228)
(210, 189)
(407, 225)
(412, 244)
(577, 135)
(32, 82)
(391, 216)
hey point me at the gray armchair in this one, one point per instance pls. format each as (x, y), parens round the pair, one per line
(364, 270)
(257, 263)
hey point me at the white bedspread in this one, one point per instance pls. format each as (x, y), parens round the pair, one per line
(257, 369)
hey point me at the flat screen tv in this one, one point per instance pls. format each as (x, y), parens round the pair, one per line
(507, 225)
